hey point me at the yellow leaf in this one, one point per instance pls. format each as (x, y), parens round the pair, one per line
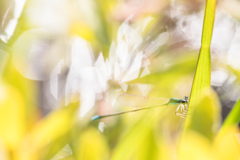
(226, 145)
(12, 116)
(92, 146)
(204, 116)
(50, 133)
(194, 147)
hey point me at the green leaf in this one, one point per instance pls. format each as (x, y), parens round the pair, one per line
(234, 116)
(138, 143)
(180, 67)
(164, 81)
(202, 76)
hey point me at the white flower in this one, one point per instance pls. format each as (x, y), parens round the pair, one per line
(90, 78)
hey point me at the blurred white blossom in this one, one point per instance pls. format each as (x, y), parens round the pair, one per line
(90, 78)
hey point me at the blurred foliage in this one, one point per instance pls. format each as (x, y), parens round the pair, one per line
(92, 148)
(27, 133)
(233, 117)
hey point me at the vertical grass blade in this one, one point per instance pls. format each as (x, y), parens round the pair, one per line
(202, 76)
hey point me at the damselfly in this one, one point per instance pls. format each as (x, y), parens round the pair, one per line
(141, 103)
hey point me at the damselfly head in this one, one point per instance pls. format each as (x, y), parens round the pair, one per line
(185, 99)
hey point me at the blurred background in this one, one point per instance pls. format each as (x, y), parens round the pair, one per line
(57, 52)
